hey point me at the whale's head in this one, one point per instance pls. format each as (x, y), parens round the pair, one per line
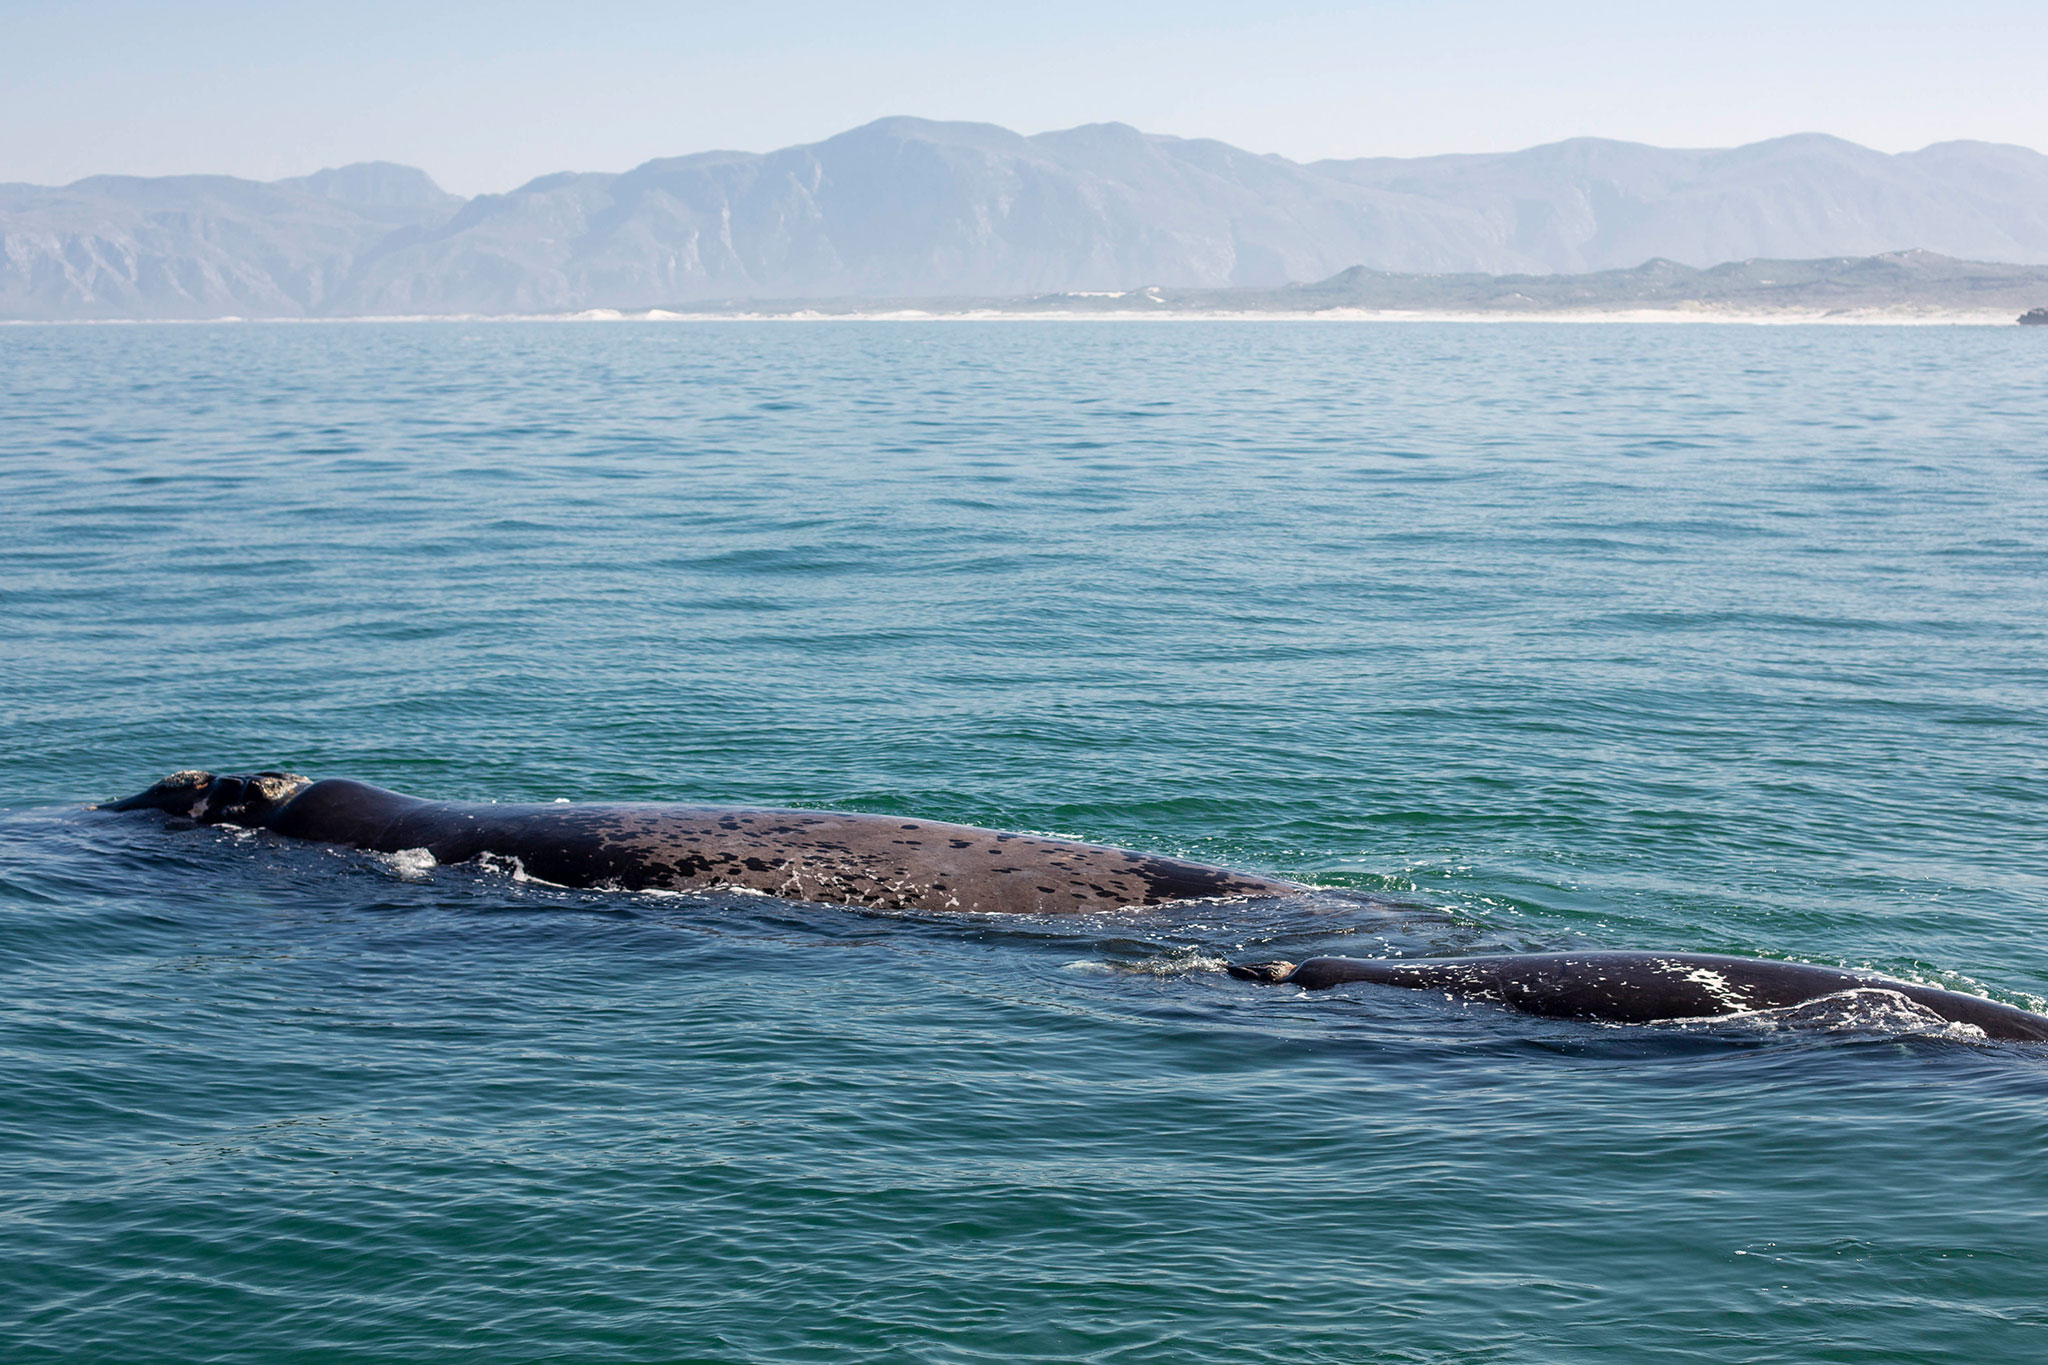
(1268, 972)
(248, 799)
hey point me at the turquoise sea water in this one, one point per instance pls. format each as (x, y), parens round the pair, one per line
(1508, 637)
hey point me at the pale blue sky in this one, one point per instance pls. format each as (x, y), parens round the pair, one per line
(487, 96)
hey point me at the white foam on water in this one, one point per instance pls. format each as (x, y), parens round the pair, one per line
(505, 864)
(509, 865)
(686, 893)
(1860, 1009)
(1178, 962)
(409, 864)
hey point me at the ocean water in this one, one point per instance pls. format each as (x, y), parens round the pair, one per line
(1502, 637)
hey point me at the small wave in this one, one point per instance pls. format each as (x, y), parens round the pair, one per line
(409, 864)
(1174, 962)
(1861, 1010)
(503, 864)
(709, 891)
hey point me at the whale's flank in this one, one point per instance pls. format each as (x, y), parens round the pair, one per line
(1641, 988)
(883, 862)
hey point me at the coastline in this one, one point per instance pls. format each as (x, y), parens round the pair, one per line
(1697, 314)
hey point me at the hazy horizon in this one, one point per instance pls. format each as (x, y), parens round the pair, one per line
(488, 98)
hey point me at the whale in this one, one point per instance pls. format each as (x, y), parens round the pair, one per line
(887, 862)
(881, 862)
(1643, 987)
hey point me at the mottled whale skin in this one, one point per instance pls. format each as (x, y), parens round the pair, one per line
(878, 861)
(1641, 988)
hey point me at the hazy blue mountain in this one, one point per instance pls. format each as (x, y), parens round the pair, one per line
(1589, 204)
(908, 208)
(382, 190)
(190, 246)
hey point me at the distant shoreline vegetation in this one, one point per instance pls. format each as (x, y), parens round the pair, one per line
(907, 215)
(1900, 286)
(1903, 287)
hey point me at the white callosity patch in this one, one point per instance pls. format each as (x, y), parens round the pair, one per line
(1723, 991)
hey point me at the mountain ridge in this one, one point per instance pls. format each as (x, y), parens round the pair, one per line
(905, 207)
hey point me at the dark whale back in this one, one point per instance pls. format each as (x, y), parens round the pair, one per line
(873, 860)
(339, 810)
(1641, 988)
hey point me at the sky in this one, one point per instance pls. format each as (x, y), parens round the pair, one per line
(486, 97)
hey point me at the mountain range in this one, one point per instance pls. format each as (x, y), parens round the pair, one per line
(907, 208)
